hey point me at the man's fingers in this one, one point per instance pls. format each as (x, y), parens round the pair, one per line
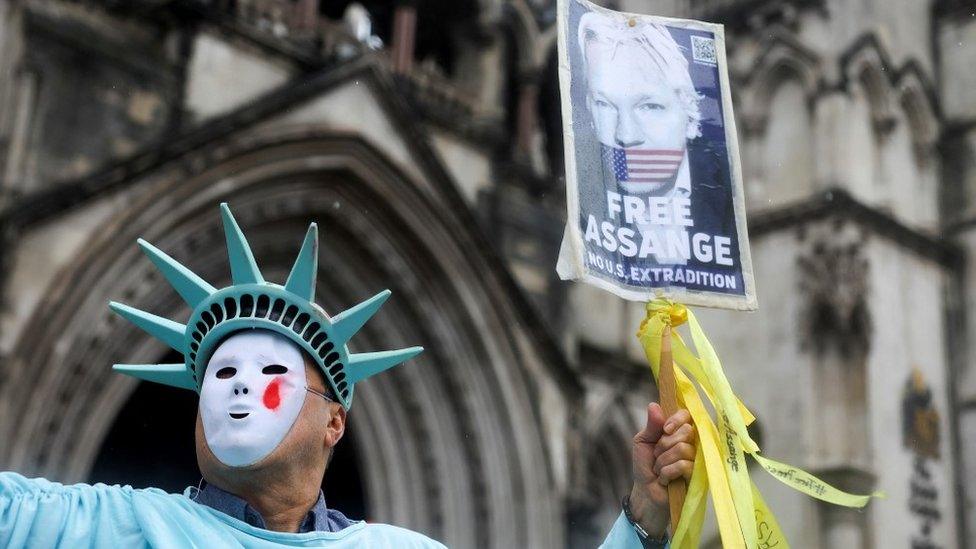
(678, 469)
(685, 433)
(676, 420)
(655, 425)
(680, 452)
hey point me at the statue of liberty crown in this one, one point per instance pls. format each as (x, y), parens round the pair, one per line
(251, 302)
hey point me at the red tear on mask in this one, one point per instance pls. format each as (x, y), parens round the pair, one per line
(272, 395)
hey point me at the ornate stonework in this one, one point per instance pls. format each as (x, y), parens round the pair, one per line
(834, 289)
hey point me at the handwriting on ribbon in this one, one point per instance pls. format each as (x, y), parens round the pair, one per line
(730, 438)
(768, 538)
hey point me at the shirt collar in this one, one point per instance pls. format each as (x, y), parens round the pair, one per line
(319, 518)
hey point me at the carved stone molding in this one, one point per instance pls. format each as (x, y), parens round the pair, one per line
(833, 284)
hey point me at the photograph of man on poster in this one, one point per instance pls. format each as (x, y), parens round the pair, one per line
(653, 169)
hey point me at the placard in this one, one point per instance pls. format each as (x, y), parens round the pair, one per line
(654, 186)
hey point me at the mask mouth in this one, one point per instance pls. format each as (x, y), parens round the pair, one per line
(641, 170)
(240, 415)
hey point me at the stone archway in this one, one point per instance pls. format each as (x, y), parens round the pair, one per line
(607, 474)
(453, 443)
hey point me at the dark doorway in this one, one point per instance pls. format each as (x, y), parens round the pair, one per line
(151, 441)
(151, 444)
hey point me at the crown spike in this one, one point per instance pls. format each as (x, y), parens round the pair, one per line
(348, 322)
(163, 329)
(191, 287)
(364, 365)
(175, 375)
(243, 268)
(301, 280)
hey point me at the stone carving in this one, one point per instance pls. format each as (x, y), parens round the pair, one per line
(833, 285)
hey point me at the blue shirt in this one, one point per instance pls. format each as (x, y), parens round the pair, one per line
(39, 513)
(319, 518)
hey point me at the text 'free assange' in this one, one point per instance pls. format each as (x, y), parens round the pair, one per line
(660, 230)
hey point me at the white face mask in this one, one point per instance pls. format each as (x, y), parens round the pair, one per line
(253, 391)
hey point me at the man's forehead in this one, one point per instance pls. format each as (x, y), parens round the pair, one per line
(622, 61)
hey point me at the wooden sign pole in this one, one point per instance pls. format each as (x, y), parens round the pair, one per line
(678, 488)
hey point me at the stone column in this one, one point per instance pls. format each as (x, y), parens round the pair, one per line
(404, 37)
(17, 173)
(844, 526)
(955, 34)
(306, 15)
(527, 116)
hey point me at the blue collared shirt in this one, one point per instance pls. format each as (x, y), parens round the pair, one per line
(319, 519)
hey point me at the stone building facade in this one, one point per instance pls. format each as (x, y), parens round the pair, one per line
(424, 137)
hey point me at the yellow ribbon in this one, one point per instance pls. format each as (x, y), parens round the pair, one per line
(744, 520)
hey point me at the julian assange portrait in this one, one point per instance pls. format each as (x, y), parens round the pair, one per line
(644, 114)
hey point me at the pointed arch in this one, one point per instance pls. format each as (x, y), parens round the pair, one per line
(916, 98)
(518, 18)
(868, 66)
(783, 59)
(454, 444)
(776, 114)
(607, 473)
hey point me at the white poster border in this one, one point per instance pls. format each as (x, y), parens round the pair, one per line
(571, 265)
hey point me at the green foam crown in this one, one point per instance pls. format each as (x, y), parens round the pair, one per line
(251, 302)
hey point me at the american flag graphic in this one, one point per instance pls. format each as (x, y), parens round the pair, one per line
(643, 165)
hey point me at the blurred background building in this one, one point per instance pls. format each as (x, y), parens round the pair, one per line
(424, 137)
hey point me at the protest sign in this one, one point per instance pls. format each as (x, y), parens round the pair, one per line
(654, 186)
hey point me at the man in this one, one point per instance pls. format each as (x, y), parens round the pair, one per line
(276, 381)
(645, 114)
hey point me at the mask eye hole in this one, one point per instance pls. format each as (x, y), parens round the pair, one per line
(226, 372)
(274, 370)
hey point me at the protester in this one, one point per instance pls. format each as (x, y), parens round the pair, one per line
(276, 383)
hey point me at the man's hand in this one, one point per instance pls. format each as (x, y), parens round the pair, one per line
(663, 451)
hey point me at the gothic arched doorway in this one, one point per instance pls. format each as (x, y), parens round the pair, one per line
(452, 444)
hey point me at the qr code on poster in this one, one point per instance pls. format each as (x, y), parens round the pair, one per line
(703, 50)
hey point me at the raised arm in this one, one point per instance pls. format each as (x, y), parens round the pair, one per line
(40, 513)
(662, 451)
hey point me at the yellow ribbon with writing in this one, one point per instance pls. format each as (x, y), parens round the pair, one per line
(744, 520)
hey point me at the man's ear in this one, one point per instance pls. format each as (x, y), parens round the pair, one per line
(336, 426)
